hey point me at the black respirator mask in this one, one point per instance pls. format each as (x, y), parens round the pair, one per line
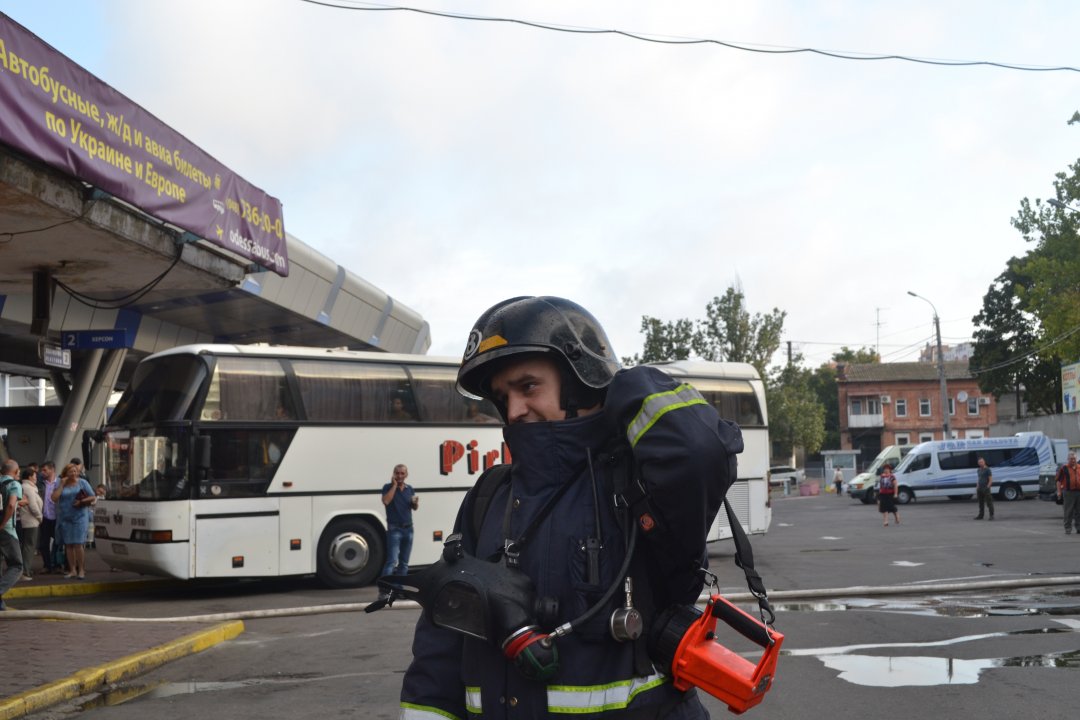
(491, 601)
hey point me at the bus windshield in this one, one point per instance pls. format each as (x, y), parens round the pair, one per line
(162, 390)
(147, 465)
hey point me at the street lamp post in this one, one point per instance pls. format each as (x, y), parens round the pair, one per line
(940, 367)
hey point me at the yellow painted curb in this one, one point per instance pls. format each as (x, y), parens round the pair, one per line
(92, 679)
(84, 588)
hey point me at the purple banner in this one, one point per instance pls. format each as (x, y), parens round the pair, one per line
(54, 110)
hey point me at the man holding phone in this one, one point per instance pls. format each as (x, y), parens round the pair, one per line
(400, 500)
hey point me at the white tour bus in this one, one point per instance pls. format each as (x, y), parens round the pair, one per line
(948, 468)
(258, 461)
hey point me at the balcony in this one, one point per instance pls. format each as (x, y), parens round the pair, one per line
(866, 420)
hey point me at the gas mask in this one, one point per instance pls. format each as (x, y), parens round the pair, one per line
(491, 601)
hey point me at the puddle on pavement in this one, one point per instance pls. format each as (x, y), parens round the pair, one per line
(920, 670)
(909, 671)
(123, 693)
(1060, 603)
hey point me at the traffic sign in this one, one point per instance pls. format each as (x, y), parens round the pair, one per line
(55, 356)
(95, 339)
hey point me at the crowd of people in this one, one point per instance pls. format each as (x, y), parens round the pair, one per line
(45, 513)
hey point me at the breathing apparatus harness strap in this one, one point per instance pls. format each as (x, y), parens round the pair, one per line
(744, 558)
(486, 488)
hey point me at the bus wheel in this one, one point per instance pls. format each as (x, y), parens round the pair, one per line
(904, 495)
(1010, 492)
(351, 554)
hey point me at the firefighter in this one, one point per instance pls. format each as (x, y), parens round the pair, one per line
(548, 367)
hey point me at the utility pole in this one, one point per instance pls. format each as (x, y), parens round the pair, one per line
(877, 331)
(940, 368)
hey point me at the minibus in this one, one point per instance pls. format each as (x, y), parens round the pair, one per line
(948, 468)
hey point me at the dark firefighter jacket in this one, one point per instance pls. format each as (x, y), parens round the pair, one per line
(686, 454)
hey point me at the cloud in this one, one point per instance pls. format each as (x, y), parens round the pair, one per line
(456, 163)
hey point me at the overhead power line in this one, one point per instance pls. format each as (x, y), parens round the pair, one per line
(675, 40)
(1028, 354)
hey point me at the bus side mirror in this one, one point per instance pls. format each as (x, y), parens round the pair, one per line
(202, 452)
(89, 438)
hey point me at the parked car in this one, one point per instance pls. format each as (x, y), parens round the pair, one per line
(785, 474)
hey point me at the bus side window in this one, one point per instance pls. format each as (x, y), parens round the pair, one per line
(439, 401)
(348, 392)
(248, 389)
(243, 461)
(919, 462)
(958, 460)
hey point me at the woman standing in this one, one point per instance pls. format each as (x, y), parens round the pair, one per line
(72, 520)
(887, 495)
(30, 518)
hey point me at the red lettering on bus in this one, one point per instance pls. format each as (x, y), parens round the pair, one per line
(450, 451)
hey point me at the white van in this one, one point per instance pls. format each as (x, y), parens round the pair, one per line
(864, 485)
(948, 468)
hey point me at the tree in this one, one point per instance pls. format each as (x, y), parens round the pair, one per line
(730, 333)
(1051, 269)
(796, 415)
(862, 356)
(1006, 334)
(1030, 317)
(663, 341)
(823, 383)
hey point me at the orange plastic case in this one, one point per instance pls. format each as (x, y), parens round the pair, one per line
(704, 663)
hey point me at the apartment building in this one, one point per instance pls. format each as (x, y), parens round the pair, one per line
(899, 403)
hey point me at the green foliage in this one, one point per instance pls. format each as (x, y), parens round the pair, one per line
(1005, 333)
(823, 383)
(1051, 269)
(663, 341)
(797, 398)
(796, 414)
(730, 333)
(862, 356)
(1034, 305)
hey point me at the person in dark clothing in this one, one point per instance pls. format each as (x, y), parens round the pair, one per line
(547, 366)
(984, 489)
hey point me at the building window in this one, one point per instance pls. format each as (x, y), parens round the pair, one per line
(901, 408)
(903, 439)
(952, 407)
(926, 437)
(973, 434)
(924, 407)
(856, 407)
(973, 406)
(873, 406)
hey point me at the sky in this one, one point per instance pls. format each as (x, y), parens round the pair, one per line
(455, 163)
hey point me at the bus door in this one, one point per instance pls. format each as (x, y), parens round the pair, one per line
(239, 542)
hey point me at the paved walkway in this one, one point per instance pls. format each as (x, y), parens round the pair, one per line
(45, 662)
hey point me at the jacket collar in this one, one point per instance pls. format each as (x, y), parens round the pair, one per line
(548, 453)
